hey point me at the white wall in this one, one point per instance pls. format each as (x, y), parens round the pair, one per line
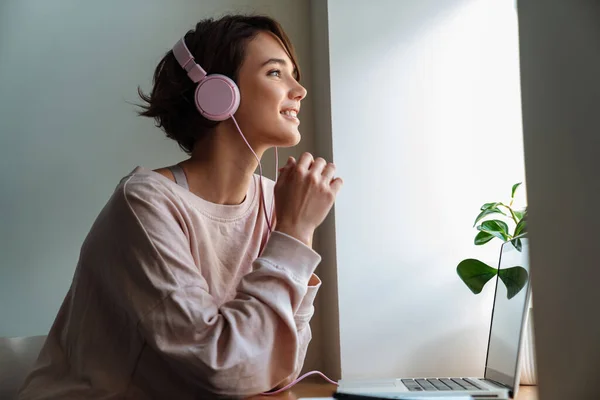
(68, 71)
(426, 128)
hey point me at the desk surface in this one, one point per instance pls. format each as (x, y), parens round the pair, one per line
(324, 389)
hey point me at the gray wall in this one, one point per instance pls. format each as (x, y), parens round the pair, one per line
(560, 60)
(68, 73)
(326, 305)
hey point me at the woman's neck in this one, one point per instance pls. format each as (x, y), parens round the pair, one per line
(221, 167)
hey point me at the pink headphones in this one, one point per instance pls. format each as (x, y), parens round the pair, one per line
(217, 96)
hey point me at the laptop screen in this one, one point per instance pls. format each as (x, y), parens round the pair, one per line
(509, 312)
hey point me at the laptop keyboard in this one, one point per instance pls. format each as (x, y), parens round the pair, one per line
(441, 384)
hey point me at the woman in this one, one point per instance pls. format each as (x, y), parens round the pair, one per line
(182, 290)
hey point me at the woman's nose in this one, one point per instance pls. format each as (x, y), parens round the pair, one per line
(298, 92)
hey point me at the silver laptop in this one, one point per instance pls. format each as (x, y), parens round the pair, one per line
(501, 376)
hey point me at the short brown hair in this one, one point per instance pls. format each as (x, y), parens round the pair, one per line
(218, 45)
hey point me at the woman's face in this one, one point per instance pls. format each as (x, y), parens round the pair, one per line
(270, 95)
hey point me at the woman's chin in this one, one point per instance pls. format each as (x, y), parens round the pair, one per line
(289, 139)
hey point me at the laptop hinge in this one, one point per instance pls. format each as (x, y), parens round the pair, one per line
(498, 383)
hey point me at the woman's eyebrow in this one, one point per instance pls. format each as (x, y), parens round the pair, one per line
(275, 61)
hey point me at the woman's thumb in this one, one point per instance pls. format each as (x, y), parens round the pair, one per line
(291, 160)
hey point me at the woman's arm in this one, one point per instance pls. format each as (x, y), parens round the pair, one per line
(245, 346)
(302, 319)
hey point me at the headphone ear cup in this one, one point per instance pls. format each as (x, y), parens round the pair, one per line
(217, 97)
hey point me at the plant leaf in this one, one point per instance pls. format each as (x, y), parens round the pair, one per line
(495, 227)
(521, 227)
(483, 238)
(490, 205)
(514, 279)
(514, 189)
(475, 274)
(519, 214)
(517, 243)
(487, 212)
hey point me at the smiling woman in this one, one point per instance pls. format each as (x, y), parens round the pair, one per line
(253, 52)
(185, 287)
(271, 94)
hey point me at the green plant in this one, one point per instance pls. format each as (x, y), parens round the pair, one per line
(474, 273)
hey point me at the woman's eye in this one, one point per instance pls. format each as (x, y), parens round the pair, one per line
(275, 72)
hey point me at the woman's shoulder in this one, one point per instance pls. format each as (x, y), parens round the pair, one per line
(268, 186)
(148, 184)
(267, 182)
(142, 197)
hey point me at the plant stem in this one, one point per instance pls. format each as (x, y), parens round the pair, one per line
(512, 213)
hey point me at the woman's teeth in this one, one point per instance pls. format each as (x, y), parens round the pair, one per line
(289, 113)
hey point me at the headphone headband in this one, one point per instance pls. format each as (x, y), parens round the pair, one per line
(187, 62)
